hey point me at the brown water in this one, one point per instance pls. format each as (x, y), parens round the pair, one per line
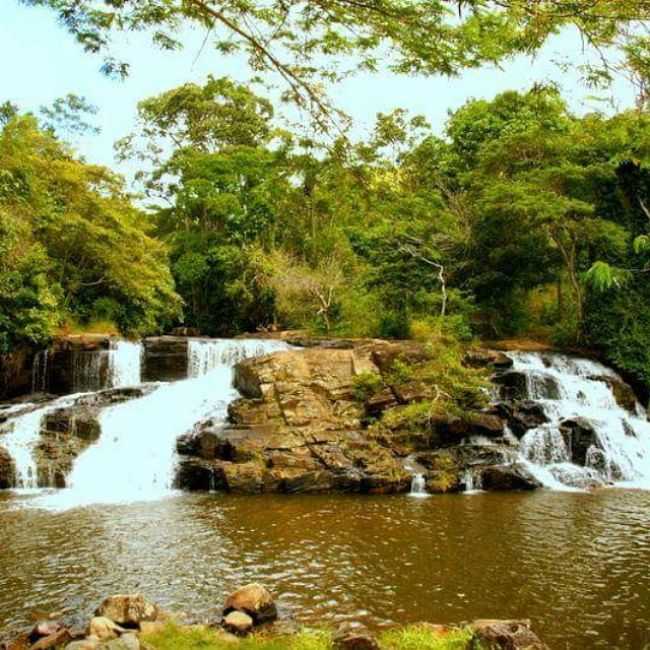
(576, 564)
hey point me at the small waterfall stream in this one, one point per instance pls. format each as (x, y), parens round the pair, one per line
(588, 438)
(116, 367)
(135, 457)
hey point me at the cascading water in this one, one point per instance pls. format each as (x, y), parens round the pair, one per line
(39, 372)
(20, 434)
(606, 444)
(124, 364)
(135, 457)
(418, 486)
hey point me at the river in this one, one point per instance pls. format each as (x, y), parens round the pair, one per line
(574, 563)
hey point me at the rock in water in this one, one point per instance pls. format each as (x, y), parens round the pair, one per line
(254, 600)
(238, 623)
(508, 477)
(43, 629)
(506, 635)
(128, 609)
(55, 640)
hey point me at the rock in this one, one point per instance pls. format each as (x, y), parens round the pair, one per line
(165, 358)
(85, 644)
(44, 628)
(128, 610)
(54, 640)
(253, 599)
(104, 628)
(522, 415)
(152, 627)
(508, 477)
(7, 470)
(482, 358)
(505, 635)
(513, 385)
(580, 436)
(354, 637)
(125, 642)
(238, 623)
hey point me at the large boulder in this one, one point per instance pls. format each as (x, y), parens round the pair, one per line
(128, 610)
(238, 623)
(253, 599)
(505, 635)
(508, 477)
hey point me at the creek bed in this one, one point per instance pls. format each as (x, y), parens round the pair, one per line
(576, 564)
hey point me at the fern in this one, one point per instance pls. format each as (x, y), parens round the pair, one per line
(603, 277)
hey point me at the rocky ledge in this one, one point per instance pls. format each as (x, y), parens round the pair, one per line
(304, 425)
(132, 622)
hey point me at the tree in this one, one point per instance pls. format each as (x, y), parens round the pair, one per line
(303, 43)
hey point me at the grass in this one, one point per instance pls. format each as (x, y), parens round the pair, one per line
(414, 637)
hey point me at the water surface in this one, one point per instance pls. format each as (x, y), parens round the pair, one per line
(576, 564)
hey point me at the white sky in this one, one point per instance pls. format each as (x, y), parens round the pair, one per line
(41, 62)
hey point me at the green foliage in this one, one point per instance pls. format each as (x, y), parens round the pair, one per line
(72, 244)
(367, 384)
(426, 637)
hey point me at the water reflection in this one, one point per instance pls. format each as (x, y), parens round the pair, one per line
(574, 563)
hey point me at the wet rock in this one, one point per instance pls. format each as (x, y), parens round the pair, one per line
(505, 635)
(581, 437)
(354, 637)
(379, 402)
(508, 477)
(7, 470)
(522, 415)
(165, 358)
(54, 640)
(104, 628)
(253, 599)
(238, 623)
(482, 358)
(513, 385)
(128, 610)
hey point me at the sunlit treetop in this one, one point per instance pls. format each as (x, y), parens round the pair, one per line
(305, 43)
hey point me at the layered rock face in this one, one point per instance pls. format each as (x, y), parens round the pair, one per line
(301, 426)
(298, 428)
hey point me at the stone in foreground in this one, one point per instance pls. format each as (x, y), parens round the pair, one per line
(238, 623)
(506, 635)
(104, 628)
(128, 610)
(354, 638)
(254, 600)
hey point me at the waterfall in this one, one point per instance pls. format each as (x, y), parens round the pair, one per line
(20, 434)
(418, 486)
(135, 457)
(589, 438)
(124, 364)
(204, 355)
(89, 370)
(472, 482)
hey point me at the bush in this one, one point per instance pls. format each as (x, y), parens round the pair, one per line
(367, 384)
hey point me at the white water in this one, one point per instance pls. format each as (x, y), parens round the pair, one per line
(39, 372)
(20, 435)
(568, 388)
(418, 486)
(135, 457)
(472, 482)
(124, 364)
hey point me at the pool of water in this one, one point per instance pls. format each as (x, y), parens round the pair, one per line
(578, 565)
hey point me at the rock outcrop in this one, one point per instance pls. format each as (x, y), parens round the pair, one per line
(304, 424)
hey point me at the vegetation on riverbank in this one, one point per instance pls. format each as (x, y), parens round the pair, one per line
(414, 637)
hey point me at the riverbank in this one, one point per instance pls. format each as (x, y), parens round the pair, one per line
(249, 621)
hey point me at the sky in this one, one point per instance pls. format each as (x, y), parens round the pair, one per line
(41, 62)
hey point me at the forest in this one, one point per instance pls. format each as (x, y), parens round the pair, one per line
(520, 220)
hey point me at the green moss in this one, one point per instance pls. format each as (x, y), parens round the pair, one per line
(175, 637)
(411, 417)
(425, 637)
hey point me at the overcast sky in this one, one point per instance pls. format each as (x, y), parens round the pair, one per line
(41, 62)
